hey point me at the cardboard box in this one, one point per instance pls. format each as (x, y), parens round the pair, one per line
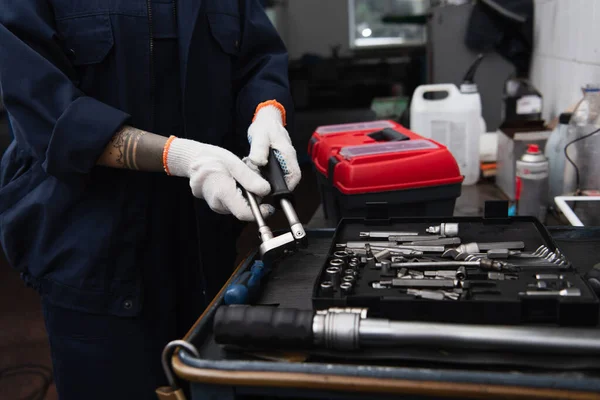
(512, 144)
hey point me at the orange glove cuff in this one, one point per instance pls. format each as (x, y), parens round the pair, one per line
(166, 154)
(275, 104)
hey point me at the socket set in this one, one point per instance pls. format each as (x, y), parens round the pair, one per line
(469, 270)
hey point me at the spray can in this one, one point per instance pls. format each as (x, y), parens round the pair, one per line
(532, 179)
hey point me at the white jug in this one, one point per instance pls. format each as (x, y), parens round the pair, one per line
(453, 118)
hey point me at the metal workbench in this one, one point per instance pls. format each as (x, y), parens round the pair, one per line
(222, 375)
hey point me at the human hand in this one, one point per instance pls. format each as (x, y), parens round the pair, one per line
(267, 132)
(214, 174)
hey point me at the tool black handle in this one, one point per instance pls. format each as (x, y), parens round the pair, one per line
(261, 326)
(274, 174)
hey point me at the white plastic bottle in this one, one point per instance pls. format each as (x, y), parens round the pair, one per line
(452, 117)
(555, 153)
(585, 153)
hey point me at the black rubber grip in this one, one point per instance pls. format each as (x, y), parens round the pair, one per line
(274, 174)
(261, 326)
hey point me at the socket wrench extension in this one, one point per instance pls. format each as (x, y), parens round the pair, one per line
(385, 235)
(272, 247)
(485, 264)
(448, 229)
(293, 329)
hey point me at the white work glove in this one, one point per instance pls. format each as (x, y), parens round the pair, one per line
(266, 132)
(213, 173)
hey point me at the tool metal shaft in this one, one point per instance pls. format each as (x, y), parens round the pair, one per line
(386, 234)
(295, 224)
(381, 333)
(264, 231)
(378, 246)
(435, 264)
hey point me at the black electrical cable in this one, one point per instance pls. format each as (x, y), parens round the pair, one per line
(31, 369)
(577, 179)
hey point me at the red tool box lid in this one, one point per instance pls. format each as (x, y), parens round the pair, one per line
(380, 156)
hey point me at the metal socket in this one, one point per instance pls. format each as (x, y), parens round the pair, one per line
(326, 288)
(350, 272)
(386, 267)
(342, 255)
(334, 274)
(336, 262)
(346, 288)
(348, 278)
(371, 261)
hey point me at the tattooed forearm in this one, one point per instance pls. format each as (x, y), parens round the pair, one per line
(135, 149)
(124, 144)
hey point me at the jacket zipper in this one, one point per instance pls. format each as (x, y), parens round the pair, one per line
(152, 83)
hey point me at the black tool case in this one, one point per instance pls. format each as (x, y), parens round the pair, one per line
(507, 306)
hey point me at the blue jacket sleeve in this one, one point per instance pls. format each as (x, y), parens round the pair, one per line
(65, 130)
(262, 65)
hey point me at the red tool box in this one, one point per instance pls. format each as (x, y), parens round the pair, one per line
(369, 164)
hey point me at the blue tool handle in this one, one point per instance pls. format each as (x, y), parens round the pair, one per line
(245, 288)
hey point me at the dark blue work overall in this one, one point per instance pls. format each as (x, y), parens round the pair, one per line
(124, 260)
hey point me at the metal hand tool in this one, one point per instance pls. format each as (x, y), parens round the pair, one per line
(394, 252)
(499, 276)
(548, 276)
(348, 278)
(336, 262)
(370, 257)
(385, 267)
(363, 312)
(523, 262)
(412, 258)
(342, 255)
(421, 283)
(385, 234)
(350, 272)
(483, 264)
(326, 288)
(357, 246)
(419, 238)
(555, 257)
(556, 284)
(435, 242)
(503, 254)
(272, 247)
(568, 292)
(448, 274)
(334, 275)
(475, 247)
(433, 294)
(445, 229)
(346, 288)
(348, 331)
(383, 254)
(402, 272)
(416, 274)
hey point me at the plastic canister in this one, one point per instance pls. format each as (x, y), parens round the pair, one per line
(555, 152)
(445, 114)
(532, 178)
